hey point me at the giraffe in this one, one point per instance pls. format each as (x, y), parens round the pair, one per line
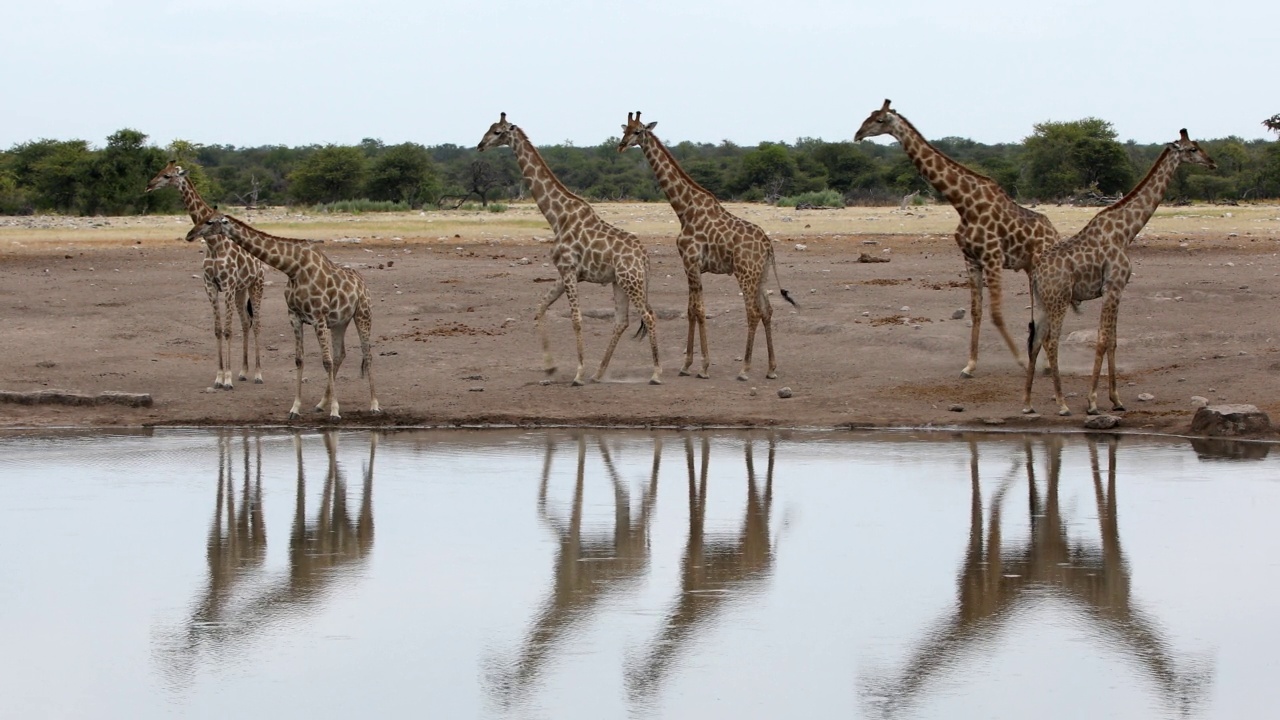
(711, 241)
(586, 249)
(319, 293)
(994, 232)
(227, 269)
(1095, 263)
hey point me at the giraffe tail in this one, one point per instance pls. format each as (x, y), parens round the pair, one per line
(641, 331)
(248, 305)
(773, 260)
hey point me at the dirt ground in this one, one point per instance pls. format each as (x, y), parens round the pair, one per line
(100, 304)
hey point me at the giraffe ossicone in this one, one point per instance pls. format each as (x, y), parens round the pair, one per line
(320, 293)
(1095, 263)
(994, 234)
(585, 249)
(712, 240)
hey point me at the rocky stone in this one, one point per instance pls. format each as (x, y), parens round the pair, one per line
(1146, 397)
(956, 408)
(958, 314)
(784, 393)
(1222, 420)
(1101, 422)
(992, 421)
(1199, 401)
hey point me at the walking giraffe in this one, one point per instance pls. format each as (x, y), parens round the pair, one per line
(711, 241)
(586, 249)
(319, 293)
(1095, 263)
(994, 231)
(227, 270)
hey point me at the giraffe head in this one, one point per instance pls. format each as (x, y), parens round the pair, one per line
(1188, 151)
(499, 134)
(634, 131)
(167, 177)
(881, 122)
(217, 224)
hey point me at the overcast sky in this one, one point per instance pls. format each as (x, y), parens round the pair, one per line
(296, 72)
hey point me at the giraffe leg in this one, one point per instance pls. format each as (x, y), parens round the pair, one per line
(338, 341)
(1051, 351)
(296, 322)
(575, 314)
(1111, 369)
(325, 337)
(1035, 341)
(364, 328)
(975, 313)
(651, 321)
(1106, 340)
(752, 305)
(766, 320)
(621, 318)
(255, 310)
(697, 317)
(225, 341)
(241, 300)
(552, 295)
(995, 298)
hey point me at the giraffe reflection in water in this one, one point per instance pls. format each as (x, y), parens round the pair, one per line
(589, 565)
(240, 598)
(998, 580)
(716, 570)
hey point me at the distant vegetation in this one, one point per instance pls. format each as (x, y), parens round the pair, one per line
(1058, 161)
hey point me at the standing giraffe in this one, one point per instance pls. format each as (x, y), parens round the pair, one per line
(586, 249)
(1095, 263)
(320, 293)
(227, 269)
(711, 241)
(994, 231)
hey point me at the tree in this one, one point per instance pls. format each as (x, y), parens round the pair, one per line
(1063, 157)
(769, 167)
(403, 173)
(1272, 123)
(332, 173)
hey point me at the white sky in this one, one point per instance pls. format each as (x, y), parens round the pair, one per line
(295, 72)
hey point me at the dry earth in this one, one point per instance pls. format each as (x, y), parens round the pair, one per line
(116, 304)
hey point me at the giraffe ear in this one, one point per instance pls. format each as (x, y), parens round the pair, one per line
(179, 169)
(651, 125)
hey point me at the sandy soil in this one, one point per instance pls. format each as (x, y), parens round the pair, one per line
(116, 304)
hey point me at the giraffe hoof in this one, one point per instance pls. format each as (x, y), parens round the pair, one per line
(334, 418)
(966, 374)
(257, 381)
(294, 416)
(243, 377)
(743, 377)
(1028, 410)
(1117, 408)
(1091, 411)
(577, 383)
(549, 370)
(655, 381)
(684, 373)
(771, 375)
(1066, 413)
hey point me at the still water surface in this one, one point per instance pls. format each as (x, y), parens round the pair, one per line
(583, 574)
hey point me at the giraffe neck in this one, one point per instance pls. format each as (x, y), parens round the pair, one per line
(943, 173)
(553, 198)
(284, 254)
(680, 189)
(197, 208)
(1133, 210)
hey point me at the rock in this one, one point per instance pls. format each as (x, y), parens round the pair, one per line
(476, 389)
(784, 393)
(956, 408)
(906, 308)
(992, 421)
(958, 314)
(1146, 397)
(1220, 420)
(754, 392)
(1083, 336)
(865, 258)
(1199, 401)
(801, 247)
(1101, 422)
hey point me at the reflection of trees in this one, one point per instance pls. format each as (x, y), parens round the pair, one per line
(588, 565)
(323, 550)
(715, 570)
(998, 581)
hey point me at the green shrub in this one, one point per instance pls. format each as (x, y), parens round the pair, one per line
(818, 198)
(497, 207)
(360, 206)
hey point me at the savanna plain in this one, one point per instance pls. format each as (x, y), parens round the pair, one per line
(116, 304)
